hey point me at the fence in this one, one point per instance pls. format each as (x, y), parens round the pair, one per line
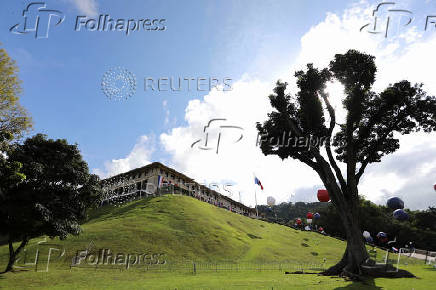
(199, 267)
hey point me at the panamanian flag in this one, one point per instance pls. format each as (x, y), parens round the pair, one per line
(257, 181)
(159, 181)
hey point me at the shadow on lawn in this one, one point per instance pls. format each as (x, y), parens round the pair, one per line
(369, 283)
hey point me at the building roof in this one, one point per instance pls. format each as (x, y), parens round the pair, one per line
(179, 175)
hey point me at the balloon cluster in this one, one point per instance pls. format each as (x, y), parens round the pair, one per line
(397, 205)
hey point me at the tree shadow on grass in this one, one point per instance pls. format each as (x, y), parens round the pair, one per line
(368, 283)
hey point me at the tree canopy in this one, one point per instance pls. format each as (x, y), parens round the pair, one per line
(53, 198)
(13, 117)
(366, 135)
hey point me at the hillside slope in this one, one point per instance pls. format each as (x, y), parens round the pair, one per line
(187, 229)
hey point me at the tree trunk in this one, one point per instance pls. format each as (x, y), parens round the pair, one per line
(355, 254)
(14, 253)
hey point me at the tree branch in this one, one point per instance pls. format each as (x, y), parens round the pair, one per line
(327, 145)
(366, 161)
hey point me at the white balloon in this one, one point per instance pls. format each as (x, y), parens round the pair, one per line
(309, 221)
(270, 200)
(366, 234)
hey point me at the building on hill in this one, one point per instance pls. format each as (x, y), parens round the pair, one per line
(157, 179)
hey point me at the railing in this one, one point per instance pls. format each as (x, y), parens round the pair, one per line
(199, 267)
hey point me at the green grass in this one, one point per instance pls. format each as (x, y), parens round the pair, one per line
(187, 231)
(132, 279)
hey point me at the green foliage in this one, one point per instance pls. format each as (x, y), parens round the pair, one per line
(13, 117)
(421, 227)
(374, 218)
(365, 137)
(288, 212)
(53, 198)
(10, 174)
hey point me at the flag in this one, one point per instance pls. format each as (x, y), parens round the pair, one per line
(257, 181)
(159, 181)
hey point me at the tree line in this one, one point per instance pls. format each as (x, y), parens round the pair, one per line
(419, 229)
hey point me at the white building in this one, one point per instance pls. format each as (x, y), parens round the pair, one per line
(157, 179)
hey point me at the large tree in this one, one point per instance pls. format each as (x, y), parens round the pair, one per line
(13, 117)
(365, 136)
(53, 198)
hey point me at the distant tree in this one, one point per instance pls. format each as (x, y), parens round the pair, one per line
(376, 218)
(53, 198)
(365, 137)
(13, 117)
(426, 219)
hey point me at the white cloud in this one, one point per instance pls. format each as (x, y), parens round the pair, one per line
(87, 7)
(138, 157)
(247, 103)
(405, 56)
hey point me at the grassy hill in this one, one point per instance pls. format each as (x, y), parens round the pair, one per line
(187, 229)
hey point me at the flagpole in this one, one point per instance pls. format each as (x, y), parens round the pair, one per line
(255, 198)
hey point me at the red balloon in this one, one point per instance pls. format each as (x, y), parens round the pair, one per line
(323, 195)
(320, 229)
(309, 215)
(434, 186)
(298, 221)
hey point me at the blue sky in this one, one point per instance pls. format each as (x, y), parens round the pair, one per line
(251, 42)
(62, 74)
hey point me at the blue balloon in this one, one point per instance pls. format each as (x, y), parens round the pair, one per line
(317, 215)
(369, 239)
(401, 215)
(382, 235)
(395, 203)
